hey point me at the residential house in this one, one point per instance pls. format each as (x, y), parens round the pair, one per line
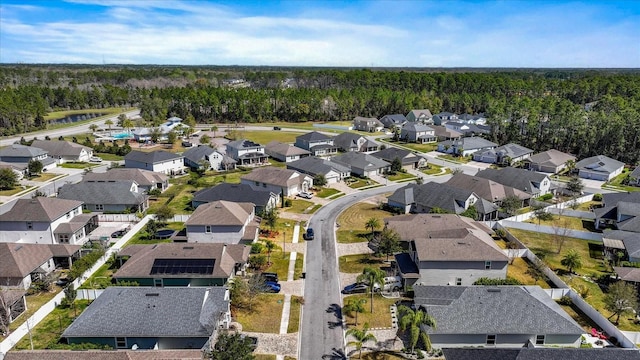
(146, 180)
(152, 318)
(619, 210)
(317, 143)
(634, 177)
(21, 264)
(599, 167)
(431, 196)
(285, 152)
(16, 169)
(186, 354)
(531, 352)
(159, 161)
(443, 134)
(489, 190)
(277, 180)
(533, 183)
(64, 151)
(393, 121)
(468, 129)
(507, 155)
(627, 242)
(180, 264)
(418, 133)
(348, 141)
(45, 220)
(628, 274)
(15, 304)
(20, 155)
(465, 146)
(550, 161)
(247, 153)
(367, 124)
(113, 196)
(408, 159)
(237, 193)
(223, 222)
(496, 316)
(362, 165)
(444, 117)
(421, 115)
(314, 166)
(205, 157)
(478, 119)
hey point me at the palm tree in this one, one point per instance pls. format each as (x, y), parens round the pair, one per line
(354, 306)
(413, 320)
(361, 337)
(572, 260)
(127, 124)
(269, 245)
(109, 122)
(372, 277)
(373, 224)
(214, 128)
(93, 127)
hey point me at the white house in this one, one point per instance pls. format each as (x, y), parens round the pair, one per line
(64, 151)
(599, 167)
(158, 161)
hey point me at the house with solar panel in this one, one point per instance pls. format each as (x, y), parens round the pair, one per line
(599, 167)
(181, 264)
(223, 222)
(141, 318)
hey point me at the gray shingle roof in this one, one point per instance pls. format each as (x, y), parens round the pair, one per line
(485, 188)
(458, 245)
(313, 136)
(151, 312)
(469, 143)
(635, 173)
(276, 147)
(153, 157)
(360, 161)
(630, 239)
(198, 153)
(500, 310)
(391, 153)
(112, 192)
(516, 178)
(221, 213)
(414, 226)
(17, 150)
(140, 176)
(60, 148)
(511, 150)
(551, 157)
(274, 176)
(242, 144)
(347, 141)
(599, 163)
(393, 119)
(312, 165)
(39, 209)
(537, 353)
(104, 354)
(233, 192)
(416, 127)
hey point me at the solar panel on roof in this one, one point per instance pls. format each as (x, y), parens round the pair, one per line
(183, 266)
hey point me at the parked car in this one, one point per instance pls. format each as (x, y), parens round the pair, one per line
(95, 159)
(119, 233)
(276, 128)
(309, 234)
(62, 282)
(269, 276)
(359, 288)
(392, 283)
(306, 195)
(187, 144)
(271, 287)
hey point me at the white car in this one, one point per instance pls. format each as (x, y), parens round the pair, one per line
(95, 159)
(306, 195)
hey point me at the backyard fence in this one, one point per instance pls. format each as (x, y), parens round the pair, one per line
(545, 229)
(118, 218)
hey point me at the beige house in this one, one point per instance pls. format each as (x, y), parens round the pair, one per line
(277, 180)
(550, 161)
(223, 222)
(64, 151)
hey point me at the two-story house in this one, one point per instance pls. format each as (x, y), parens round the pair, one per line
(348, 141)
(205, 157)
(533, 183)
(223, 222)
(64, 151)
(465, 146)
(488, 189)
(393, 121)
(317, 143)
(159, 161)
(44, 220)
(277, 180)
(423, 116)
(247, 153)
(367, 124)
(146, 180)
(418, 133)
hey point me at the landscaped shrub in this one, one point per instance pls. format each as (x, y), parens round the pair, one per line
(256, 248)
(287, 202)
(545, 197)
(565, 300)
(84, 263)
(597, 197)
(490, 281)
(257, 261)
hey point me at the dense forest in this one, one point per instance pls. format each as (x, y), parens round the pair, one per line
(585, 112)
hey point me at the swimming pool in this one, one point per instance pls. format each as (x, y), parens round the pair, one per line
(123, 135)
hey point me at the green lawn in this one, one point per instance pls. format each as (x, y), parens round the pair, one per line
(518, 270)
(294, 314)
(138, 240)
(590, 251)
(458, 159)
(42, 177)
(109, 157)
(265, 137)
(356, 183)
(265, 315)
(616, 183)
(326, 192)
(433, 169)
(54, 115)
(77, 165)
(413, 146)
(298, 206)
(381, 316)
(278, 233)
(355, 264)
(352, 222)
(568, 222)
(34, 303)
(15, 190)
(47, 333)
(399, 176)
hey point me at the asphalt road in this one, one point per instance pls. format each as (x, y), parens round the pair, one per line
(322, 334)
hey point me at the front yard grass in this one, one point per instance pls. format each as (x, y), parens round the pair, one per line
(47, 333)
(298, 206)
(326, 192)
(412, 146)
(381, 316)
(352, 222)
(543, 244)
(433, 169)
(568, 222)
(15, 190)
(355, 264)
(265, 137)
(399, 176)
(42, 177)
(616, 182)
(357, 183)
(457, 159)
(265, 315)
(294, 314)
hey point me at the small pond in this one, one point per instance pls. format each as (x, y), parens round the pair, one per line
(76, 117)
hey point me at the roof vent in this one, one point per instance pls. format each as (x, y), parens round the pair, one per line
(494, 290)
(152, 294)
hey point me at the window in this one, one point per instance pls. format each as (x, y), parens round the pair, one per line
(29, 225)
(458, 281)
(539, 339)
(99, 207)
(157, 282)
(487, 265)
(121, 343)
(491, 339)
(207, 228)
(84, 207)
(63, 238)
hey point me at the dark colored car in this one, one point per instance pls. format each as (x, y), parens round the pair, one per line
(118, 233)
(276, 128)
(355, 288)
(271, 287)
(269, 276)
(62, 282)
(309, 234)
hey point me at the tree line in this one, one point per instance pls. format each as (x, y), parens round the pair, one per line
(584, 112)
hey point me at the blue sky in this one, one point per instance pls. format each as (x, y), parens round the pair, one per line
(402, 33)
